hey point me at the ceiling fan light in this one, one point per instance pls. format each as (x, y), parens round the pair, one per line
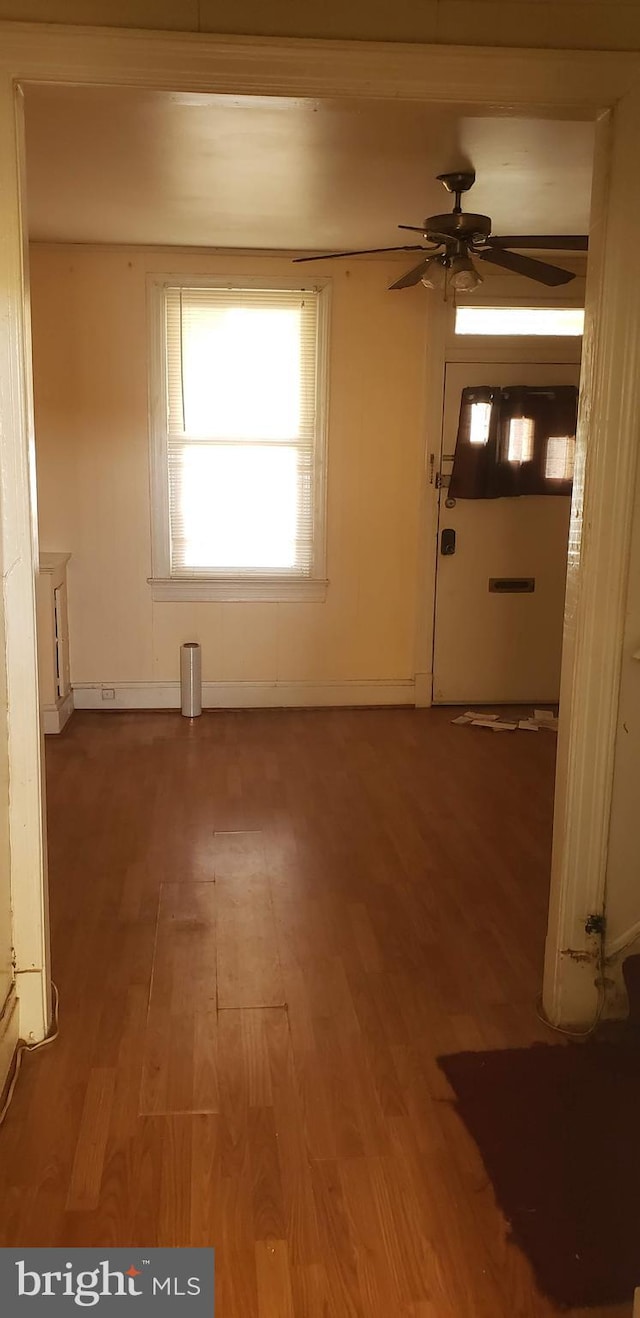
(435, 273)
(463, 275)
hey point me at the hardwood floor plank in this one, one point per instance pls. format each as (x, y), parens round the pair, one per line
(174, 1208)
(249, 973)
(274, 1282)
(290, 915)
(86, 1174)
(267, 1196)
(180, 1039)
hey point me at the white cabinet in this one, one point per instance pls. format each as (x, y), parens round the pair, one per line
(56, 696)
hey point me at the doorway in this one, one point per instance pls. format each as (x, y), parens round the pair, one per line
(501, 565)
(609, 389)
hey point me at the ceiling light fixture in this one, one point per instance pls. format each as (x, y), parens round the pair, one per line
(463, 275)
(435, 274)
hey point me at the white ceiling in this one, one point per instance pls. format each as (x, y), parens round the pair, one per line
(107, 165)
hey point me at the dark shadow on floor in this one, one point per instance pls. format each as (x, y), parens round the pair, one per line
(559, 1132)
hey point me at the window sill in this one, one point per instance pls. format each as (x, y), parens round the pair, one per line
(271, 590)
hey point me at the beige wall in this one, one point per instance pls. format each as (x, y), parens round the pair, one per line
(90, 366)
(581, 24)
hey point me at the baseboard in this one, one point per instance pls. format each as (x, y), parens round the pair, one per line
(616, 1002)
(244, 695)
(424, 690)
(54, 717)
(624, 941)
(9, 1035)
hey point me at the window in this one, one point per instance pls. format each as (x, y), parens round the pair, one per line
(560, 458)
(520, 439)
(238, 379)
(480, 425)
(512, 441)
(552, 322)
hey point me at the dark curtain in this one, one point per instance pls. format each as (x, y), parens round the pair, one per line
(514, 441)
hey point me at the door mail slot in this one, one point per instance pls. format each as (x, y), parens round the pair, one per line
(512, 585)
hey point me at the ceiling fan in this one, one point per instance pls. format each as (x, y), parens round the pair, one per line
(457, 237)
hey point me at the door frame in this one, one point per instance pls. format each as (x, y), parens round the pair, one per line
(602, 85)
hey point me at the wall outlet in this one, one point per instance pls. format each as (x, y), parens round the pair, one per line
(108, 693)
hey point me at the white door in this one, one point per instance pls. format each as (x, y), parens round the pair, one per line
(500, 594)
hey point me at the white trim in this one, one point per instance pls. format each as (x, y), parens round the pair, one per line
(471, 348)
(439, 314)
(245, 695)
(599, 552)
(269, 589)
(623, 941)
(52, 562)
(424, 690)
(54, 717)
(616, 1004)
(9, 1035)
(20, 559)
(582, 81)
(245, 585)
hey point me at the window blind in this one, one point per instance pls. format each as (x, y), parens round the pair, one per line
(241, 374)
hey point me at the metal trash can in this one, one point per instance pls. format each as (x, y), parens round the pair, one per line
(191, 679)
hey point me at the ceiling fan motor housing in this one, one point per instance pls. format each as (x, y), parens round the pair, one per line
(461, 225)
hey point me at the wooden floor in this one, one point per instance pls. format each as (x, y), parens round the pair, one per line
(266, 927)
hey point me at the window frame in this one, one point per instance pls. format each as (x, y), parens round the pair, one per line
(169, 586)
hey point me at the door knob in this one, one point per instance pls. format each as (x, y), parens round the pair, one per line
(448, 541)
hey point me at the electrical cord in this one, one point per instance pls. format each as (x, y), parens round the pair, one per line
(31, 1048)
(600, 985)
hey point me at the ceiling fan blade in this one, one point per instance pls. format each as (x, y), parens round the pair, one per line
(412, 276)
(550, 242)
(525, 265)
(415, 228)
(366, 251)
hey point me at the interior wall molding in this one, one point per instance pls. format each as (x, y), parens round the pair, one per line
(54, 717)
(292, 66)
(245, 695)
(597, 575)
(9, 1035)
